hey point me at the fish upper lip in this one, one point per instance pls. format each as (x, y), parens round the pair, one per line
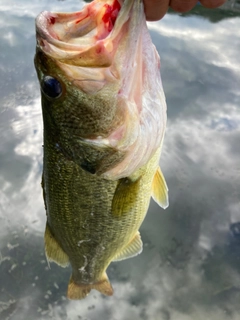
(45, 32)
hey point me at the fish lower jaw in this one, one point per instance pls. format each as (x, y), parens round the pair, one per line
(83, 38)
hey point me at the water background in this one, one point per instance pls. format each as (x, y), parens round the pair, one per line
(189, 268)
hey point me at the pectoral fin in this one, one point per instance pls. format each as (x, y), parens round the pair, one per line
(79, 291)
(125, 196)
(131, 250)
(53, 250)
(160, 189)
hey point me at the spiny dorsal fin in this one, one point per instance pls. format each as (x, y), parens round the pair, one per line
(80, 291)
(131, 250)
(160, 189)
(53, 250)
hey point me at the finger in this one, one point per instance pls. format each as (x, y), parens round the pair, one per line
(155, 9)
(212, 3)
(184, 5)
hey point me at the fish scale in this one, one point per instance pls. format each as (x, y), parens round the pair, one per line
(63, 217)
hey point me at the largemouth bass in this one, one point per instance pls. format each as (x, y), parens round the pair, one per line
(104, 115)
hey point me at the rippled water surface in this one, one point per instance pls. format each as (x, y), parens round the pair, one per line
(189, 268)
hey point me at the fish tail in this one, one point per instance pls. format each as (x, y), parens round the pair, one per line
(80, 291)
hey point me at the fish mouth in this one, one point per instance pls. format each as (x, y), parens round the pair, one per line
(87, 38)
(105, 50)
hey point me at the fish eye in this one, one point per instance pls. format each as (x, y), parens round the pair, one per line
(51, 87)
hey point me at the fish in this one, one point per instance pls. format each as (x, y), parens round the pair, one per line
(104, 119)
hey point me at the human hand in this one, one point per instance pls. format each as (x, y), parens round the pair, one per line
(156, 9)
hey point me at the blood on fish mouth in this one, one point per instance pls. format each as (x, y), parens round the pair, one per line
(110, 15)
(103, 19)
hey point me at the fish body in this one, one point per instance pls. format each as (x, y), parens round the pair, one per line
(104, 115)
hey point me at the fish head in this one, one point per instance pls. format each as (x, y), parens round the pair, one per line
(74, 63)
(101, 90)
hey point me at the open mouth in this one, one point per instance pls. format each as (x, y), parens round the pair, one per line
(84, 38)
(105, 50)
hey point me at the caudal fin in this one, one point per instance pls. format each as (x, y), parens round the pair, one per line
(80, 291)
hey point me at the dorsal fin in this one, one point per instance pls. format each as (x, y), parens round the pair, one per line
(160, 189)
(133, 248)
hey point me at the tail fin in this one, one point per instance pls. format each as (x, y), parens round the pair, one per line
(80, 291)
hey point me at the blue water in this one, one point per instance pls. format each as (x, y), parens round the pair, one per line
(189, 268)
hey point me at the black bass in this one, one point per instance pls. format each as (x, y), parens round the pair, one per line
(104, 115)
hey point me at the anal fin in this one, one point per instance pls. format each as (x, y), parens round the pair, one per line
(80, 291)
(133, 248)
(160, 189)
(53, 250)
